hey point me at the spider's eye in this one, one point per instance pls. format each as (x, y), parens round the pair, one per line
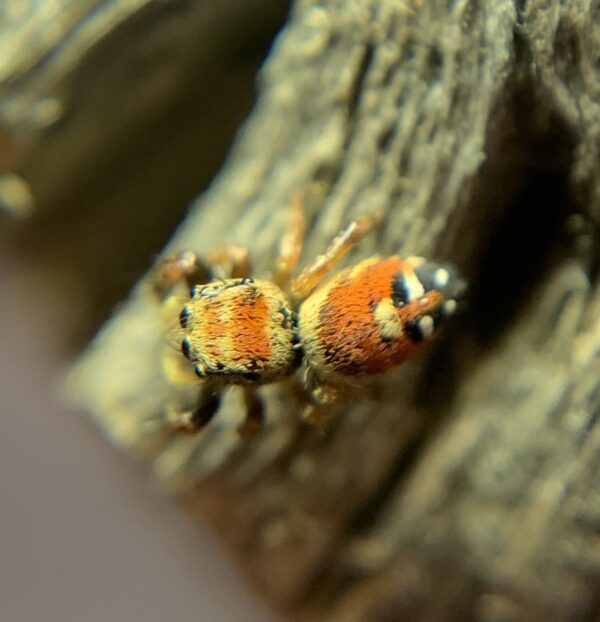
(184, 317)
(185, 347)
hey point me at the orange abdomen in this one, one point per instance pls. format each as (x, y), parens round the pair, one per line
(367, 319)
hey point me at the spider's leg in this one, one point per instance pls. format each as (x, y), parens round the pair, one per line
(184, 267)
(235, 258)
(291, 243)
(254, 414)
(193, 419)
(321, 399)
(188, 268)
(321, 266)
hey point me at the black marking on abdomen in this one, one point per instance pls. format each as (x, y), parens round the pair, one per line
(426, 273)
(400, 289)
(414, 332)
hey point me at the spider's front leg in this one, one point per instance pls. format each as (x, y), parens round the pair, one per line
(184, 267)
(234, 258)
(172, 279)
(255, 414)
(194, 418)
(188, 268)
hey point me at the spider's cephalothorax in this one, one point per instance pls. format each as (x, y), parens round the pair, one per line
(364, 321)
(239, 331)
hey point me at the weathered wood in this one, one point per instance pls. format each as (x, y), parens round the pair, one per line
(468, 491)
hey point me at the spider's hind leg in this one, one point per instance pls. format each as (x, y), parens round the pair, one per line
(322, 400)
(322, 265)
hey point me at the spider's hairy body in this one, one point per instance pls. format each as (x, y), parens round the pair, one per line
(365, 320)
(358, 324)
(239, 331)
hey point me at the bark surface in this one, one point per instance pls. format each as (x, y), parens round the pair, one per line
(469, 489)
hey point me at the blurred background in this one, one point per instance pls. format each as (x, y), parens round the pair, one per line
(114, 115)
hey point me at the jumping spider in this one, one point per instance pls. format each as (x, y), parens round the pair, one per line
(248, 332)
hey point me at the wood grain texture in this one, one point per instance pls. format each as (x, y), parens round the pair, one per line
(469, 489)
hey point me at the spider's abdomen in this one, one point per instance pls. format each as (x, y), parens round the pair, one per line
(239, 331)
(375, 315)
